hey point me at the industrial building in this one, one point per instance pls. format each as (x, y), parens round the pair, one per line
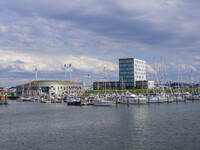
(52, 88)
(131, 70)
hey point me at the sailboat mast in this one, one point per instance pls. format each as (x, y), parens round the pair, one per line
(178, 76)
(105, 78)
(35, 74)
(3, 87)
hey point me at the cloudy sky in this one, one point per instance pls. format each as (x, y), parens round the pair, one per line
(91, 35)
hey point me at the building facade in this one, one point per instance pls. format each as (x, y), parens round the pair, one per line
(145, 84)
(130, 71)
(113, 85)
(52, 88)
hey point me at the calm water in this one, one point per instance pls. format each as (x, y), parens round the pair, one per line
(58, 126)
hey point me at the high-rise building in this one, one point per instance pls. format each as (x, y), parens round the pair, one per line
(130, 71)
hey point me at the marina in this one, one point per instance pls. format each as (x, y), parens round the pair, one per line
(113, 99)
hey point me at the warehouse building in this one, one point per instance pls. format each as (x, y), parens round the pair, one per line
(38, 88)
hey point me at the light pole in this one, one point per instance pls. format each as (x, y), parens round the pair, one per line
(70, 72)
(65, 71)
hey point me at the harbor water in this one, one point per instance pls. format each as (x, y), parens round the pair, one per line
(122, 127)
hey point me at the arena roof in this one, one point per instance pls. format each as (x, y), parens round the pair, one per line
(50, 82)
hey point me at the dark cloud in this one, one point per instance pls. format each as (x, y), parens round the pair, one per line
(107, 29)
(109, 19)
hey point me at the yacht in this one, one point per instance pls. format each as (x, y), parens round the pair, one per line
(101, 101)
(130, 98)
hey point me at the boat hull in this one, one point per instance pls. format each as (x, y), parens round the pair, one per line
(77, 103)
(103, 103)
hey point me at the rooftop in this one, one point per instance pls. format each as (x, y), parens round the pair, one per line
(49, 82)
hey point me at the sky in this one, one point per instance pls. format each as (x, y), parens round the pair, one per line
(91, 35)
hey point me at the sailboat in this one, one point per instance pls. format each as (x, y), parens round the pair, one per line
(102, 101)
(178, 97)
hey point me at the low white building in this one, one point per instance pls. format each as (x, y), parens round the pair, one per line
(61, 88)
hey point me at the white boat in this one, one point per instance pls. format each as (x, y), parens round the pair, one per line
(162, 97)
(193, 97)
(167, 99)
(20, 99)
(155, 99)
(178, 99)
(130, 98)
(32, 99)
(46, 101)
(26, 99)
(101, 101)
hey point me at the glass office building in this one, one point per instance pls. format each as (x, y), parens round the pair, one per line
(130, 71)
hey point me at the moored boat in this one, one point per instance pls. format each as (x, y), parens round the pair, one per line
(102, 103)
(74, 102)
(3, 99)
(130, 98)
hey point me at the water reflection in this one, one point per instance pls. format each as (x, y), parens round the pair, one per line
(58, 126)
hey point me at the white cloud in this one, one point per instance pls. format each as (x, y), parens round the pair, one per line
(2, 28)
(20, 62)
(197, 57)
(192, 68)
(150, 69)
